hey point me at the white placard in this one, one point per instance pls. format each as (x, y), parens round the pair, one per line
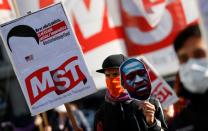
(47, 59)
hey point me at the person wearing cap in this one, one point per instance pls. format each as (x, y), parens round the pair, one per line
(118, 112)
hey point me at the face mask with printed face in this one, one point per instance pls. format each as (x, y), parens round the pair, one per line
(135, 78)
(194, 75)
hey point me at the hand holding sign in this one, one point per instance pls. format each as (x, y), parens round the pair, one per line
(149, 112)
(135, 79)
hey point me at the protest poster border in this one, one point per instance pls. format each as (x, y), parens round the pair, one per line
(21, 17)
(10, 56)
(75, 96)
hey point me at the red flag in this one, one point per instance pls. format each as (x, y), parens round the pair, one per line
(151, 25)
(6, 12)
(45, 3)
(4, 5)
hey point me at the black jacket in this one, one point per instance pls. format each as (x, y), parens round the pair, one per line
(194, 116)
(125, 116)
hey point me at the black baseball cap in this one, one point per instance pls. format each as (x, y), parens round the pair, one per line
(112, 61)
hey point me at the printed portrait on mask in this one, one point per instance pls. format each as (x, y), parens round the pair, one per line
(135, 78)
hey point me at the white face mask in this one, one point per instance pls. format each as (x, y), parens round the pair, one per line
(194, 75)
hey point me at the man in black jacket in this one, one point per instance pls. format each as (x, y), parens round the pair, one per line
(119, 111)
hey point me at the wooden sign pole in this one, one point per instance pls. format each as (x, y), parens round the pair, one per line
(71, 117)
(45, 119)
(39, 122)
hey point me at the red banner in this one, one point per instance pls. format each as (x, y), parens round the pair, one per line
(4, 5)
(44, 3)
(102, 36)
(150, 25)
(95, 37)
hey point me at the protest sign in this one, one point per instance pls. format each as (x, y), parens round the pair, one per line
(160, 89)
(47, 59)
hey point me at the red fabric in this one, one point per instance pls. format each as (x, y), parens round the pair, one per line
(114, 87)
(99, 126)
(4, 5)
(141, 25)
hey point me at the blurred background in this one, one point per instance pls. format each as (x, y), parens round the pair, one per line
(103, 27)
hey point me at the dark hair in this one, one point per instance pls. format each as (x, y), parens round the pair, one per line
(22, 31)
(190, 31)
